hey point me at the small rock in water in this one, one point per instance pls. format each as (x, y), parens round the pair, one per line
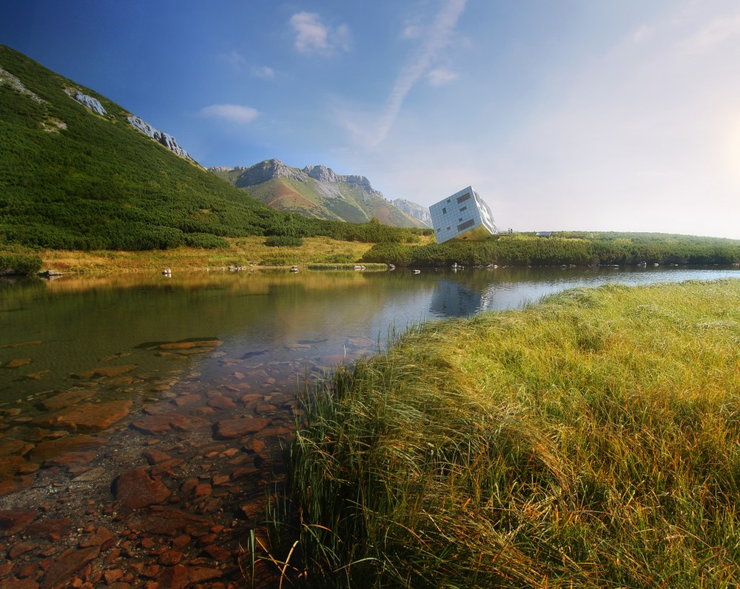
(136, 488)
(18, 362)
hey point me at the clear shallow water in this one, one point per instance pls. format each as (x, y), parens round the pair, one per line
(295, 323)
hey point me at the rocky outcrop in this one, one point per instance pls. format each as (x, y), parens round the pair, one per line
(159, 136)
(414, 210)
(7, 78)
(268, 170)
(324, 194)
(91, 103)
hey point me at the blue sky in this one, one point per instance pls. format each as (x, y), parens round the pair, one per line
(616, 115)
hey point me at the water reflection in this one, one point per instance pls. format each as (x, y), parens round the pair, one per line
(311, 318)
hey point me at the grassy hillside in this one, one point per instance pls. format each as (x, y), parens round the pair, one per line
(72, 179)
(564, 248)
(591, 440)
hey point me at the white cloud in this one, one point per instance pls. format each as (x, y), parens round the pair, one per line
(234, 113)
(263, 72)
(435, 39)
(315, 37)
(441, 76)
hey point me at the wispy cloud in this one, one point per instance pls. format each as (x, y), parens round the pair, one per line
(433, 41)
(313, 36)
(263, 72)
(234, 113)
(441, 76)
(235, 59)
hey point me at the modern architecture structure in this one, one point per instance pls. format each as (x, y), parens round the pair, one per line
(463, 215)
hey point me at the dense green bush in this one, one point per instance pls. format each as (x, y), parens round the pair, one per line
(20, 264)
(597, 248)
(283, 241)
(204, 240)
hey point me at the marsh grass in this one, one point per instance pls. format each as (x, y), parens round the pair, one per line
(590, 440)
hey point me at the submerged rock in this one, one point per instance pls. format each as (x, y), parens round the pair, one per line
(136, 488)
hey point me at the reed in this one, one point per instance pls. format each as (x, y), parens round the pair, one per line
(590, 440)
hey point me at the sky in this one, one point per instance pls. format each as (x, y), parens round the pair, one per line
(601, 115)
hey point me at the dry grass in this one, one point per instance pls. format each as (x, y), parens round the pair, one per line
(245, 251)
(592, 440)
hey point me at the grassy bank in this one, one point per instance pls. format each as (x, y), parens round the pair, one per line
(590, 440)
(582, 249)
(244, 251)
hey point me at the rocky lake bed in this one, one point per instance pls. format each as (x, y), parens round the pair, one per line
(126, 479)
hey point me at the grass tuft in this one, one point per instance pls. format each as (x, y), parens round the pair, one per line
(590, 440)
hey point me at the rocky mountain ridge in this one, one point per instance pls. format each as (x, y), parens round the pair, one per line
(318, 191)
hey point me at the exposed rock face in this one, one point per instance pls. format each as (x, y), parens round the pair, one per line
(12, 81)
(323, 193)
(268, 170)
(321, 173)
(414, 210)
(160, 136)
(91, 103)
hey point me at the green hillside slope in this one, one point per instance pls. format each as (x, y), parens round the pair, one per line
(71, 178)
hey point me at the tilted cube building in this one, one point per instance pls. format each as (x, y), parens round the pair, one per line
(463, 215)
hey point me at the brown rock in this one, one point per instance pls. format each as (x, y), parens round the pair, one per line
(181, 541)
(202, 490)
(66, 399)
(10, 466)
(106, 371)
(102, 537)
(170, 557)
(186, 345)
(221, 402)
(135, 488)
(176, 577)
(154, 456)
(112, 575)
(13, 521)
(20, 548)
(20, 584)
(228, 429)
(52, 529)
(52, 448)
(217, 552)
(15, 484)
(163, 422)
(35, 342)
(88, 417)
(71, 460)
(187, 400)
(14, 447)
(18, 362)
(198, 574)
(67, 564)
(169, 521)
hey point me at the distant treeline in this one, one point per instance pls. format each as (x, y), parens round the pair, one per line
(71, 179)
(563, 248)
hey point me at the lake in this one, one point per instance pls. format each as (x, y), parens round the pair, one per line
(158, 408)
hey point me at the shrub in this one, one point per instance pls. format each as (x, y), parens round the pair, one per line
(19, 264)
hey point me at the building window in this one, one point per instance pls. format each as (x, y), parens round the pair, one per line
(444, 210)
(448, 228)
(463, 198)
(464, 226)
(465, 208)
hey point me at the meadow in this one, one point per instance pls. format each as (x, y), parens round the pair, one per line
(589, 440)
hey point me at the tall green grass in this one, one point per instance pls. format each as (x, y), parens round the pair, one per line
(591, 440)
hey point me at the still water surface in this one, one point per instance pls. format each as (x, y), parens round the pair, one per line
(309, 320)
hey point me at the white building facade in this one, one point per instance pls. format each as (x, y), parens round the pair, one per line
(463, 215)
